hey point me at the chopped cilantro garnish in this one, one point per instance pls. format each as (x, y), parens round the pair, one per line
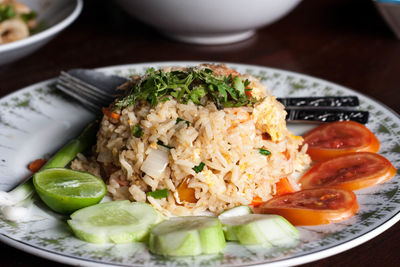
(6, 12)
(158, 194)
(238, 84)
(28, 16)
(162, 144)
(189, 85)
(180, 119)
(264, 152)
(137, 131)
(199, 167)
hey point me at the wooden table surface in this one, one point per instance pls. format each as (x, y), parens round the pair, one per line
(345, 42)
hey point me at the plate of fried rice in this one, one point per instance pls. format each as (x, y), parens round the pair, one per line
(213, 164)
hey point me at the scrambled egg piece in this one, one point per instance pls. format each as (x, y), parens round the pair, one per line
(269, 116)
(209, 177)
(154, 145)
(196, 155)
(257, 91)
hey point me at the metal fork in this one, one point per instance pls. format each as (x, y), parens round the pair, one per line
(96, 90)
(92, 88)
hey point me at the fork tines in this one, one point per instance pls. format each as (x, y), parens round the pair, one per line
(89, 95)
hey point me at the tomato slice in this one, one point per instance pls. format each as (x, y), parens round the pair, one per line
(313, 206)
(337, 138)
(352, 171)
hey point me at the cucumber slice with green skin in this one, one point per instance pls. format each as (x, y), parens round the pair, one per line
(262, 229)
(236, 211)
(187, 236)
(116, 222)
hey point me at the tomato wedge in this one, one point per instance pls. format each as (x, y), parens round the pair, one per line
(352, 171)
(313, 206)
(337, 138)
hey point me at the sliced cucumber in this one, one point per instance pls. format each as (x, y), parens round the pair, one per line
(262, 229)
(117, 222)
(187, 236)
(236, 211)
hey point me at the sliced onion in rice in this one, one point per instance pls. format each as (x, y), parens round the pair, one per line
(156, 162)
(293, 178)
(105, 156)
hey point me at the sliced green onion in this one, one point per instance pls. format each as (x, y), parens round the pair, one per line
(180, 119)
(28, 16)
(264, 152)
(6, 12)
(199, 167)
(158, 194)
(137, 131)
(162, 144)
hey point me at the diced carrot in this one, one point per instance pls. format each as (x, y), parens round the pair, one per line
(107, 112)
(115, 115)
(185, 192)
(248, 92)
(287, 154)
(283, 187)
(36, 165)
(257, 201)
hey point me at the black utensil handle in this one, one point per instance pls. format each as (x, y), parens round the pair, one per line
(320, 101)
(326, 115)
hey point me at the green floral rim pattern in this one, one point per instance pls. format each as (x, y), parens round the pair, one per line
(25, 113)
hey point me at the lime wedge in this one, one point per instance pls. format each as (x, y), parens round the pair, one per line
(66, 191)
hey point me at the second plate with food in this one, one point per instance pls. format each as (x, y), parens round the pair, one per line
(39, 119)
(52, 17)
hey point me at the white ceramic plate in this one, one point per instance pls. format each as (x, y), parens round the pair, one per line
(54, 15)
(38, 119)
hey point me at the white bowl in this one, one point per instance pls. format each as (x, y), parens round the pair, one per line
(56, 15)
(208, 21)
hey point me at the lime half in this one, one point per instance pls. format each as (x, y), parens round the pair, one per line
(66, 191)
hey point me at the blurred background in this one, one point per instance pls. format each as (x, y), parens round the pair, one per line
(346, 42)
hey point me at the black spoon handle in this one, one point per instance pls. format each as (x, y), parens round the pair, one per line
(313, 115)
(320, 101)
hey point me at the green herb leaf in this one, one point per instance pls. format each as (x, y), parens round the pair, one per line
(238, 85)
(158, 194)
(264, 152)
(137, 131)
(162, 144)
(199, 167)
(28, 16)
(6, 12)
(180, 119)
(193, 85)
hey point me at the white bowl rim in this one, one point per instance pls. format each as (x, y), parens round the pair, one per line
(46, 33)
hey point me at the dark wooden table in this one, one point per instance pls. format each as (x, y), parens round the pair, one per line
(342, 41)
